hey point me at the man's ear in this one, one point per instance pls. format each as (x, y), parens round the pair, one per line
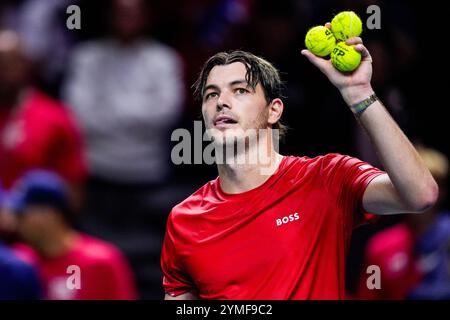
(276, 108)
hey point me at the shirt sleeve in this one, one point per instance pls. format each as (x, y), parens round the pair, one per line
(347, 178)
(176, 280)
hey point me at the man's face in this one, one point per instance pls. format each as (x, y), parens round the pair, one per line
(14, 67)
(129, 18)
(230, 106)
(34, 222)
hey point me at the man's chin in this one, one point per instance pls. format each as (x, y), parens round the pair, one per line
(226, 136)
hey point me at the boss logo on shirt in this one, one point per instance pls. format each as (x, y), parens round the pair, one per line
(287, 219)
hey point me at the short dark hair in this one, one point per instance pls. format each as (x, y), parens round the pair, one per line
(259, 70)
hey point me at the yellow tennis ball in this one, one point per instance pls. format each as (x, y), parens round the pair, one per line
(346, 24)
(345, 58)
(320, 41)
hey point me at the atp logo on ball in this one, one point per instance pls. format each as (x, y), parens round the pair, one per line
(338, 52)
(345, 58)
(287, 219)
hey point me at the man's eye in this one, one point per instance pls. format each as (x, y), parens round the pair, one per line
(241, 91)
(210, 95)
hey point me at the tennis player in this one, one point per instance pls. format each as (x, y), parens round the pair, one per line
(280, 227)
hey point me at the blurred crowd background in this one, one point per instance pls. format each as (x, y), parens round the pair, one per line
(86, 118)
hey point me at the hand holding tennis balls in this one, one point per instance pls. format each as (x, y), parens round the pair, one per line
(348, 83)
(321, 42)
(350, 66)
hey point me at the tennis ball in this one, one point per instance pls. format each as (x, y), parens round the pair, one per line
(346, 24)
(345, 58)
(320, 41)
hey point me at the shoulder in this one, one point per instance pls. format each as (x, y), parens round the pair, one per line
(90, 49)
(96, 251)
(12, 265)
(89, 57)
(321, 160)
(333, 164)
(44, 106)
(162, 50)
(197, 202)
(26, 253)
(160, 57)
(392, 239)
(306, 165)
(43, 100)
(336, 159)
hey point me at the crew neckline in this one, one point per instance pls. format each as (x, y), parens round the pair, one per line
(224, 195)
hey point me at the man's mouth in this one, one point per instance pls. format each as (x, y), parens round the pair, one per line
(224, 121)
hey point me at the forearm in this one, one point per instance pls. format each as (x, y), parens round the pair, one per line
(407, 172)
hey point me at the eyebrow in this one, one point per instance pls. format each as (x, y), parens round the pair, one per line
(232, 83)
(236, 82)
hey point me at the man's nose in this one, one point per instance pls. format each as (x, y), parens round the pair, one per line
(223, 101)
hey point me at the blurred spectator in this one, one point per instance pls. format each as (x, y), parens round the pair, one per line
(35, 130)
(414, 255)
(127, 92)
(41, 24)
(40, 199)
(432, 232)
(18, 280)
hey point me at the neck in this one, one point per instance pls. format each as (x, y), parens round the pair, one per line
(127, 41)
(57, 242)
(240, 176)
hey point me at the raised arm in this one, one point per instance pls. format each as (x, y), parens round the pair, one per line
(408, 185)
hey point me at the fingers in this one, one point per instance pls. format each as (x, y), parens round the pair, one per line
(318, 62)
(328, 25)
(357, 42)
(364, 52)
(353, 41)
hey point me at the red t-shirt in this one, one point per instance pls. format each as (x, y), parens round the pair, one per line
(392, 250)
(40, 133)
(104, 273)
(286, 239)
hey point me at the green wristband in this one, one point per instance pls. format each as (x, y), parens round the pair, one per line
(359, 107)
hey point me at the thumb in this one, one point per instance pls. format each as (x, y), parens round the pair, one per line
(317, 61)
